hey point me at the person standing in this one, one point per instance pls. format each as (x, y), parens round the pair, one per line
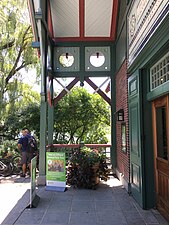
(31, 148)
(22, 146)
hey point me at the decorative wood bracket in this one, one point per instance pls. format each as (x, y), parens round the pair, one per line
(100, 92)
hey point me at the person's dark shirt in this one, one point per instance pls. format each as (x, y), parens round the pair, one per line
(24, 142)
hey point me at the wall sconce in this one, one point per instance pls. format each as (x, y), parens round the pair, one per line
(120, 115)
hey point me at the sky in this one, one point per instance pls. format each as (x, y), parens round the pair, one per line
(30, 78)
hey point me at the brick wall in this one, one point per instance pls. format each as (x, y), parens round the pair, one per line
(123, 163)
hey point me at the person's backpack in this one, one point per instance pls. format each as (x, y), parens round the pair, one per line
(32, 144)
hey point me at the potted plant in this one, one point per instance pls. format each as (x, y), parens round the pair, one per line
(86, 167)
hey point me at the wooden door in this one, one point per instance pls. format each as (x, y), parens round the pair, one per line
(160, 109)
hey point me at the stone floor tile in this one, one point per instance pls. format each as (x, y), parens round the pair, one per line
(83, 206)
(107, 205)
(111, 217)
(29, 217)
(83, 218)
(55, 206)
(58, 218)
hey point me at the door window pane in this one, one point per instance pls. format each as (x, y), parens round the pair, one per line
(161, 133)
(123, 137)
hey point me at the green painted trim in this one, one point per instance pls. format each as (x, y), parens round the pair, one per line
(159, 39)
(121, 47)
(84, 44)
(38, 15)
(82, 74)
(134, 103)
(146, 140)
(147, 145)
(36, 44)
(42, 155)
(50, 124)
(51, 108)
(158, 92)
(43, 108)
(113, 111)
(157, 46)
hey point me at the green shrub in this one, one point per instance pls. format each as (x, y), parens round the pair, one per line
(8, 148)
(85, 167)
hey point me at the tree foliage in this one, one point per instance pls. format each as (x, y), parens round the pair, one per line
(16, 55)
(16, 52)
(81, 116)
(26, 114)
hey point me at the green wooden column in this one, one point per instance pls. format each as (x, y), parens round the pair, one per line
(50, 124)
(51, 89)
(42, 153)
(41, 180)
(113, 112)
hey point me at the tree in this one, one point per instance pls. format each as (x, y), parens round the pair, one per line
(16, 52)
(81, 116)
(26, 114)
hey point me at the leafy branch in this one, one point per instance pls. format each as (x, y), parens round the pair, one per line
(15, 68)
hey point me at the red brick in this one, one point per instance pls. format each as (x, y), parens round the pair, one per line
(123, 159)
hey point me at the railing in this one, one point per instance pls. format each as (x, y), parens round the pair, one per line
(70, 148)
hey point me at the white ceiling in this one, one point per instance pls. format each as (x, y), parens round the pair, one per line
(81, 19)
(98, 17)
(65, 18)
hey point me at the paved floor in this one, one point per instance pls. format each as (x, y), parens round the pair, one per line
(109, 204)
